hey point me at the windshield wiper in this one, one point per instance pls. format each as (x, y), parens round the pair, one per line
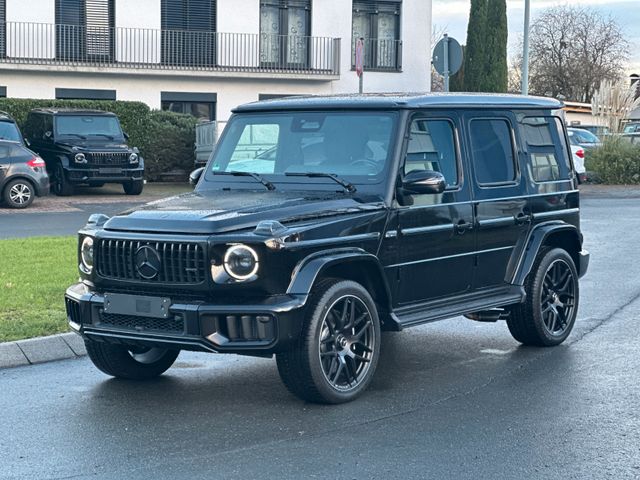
(350, 187)
(255, 176)
(110, 137)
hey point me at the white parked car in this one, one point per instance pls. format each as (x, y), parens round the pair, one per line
(578, 162)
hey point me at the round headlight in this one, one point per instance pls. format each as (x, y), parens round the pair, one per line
(86, 253)
(133, 158)
(80, 158)
(241, 262)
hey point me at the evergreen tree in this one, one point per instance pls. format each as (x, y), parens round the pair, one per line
(456, 82)
(474, 61)
(495, 78)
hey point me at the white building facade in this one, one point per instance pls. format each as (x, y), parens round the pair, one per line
(206, 56)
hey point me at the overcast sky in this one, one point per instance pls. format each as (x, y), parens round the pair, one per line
(454, 15)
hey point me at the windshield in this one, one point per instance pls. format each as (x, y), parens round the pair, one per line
(9, 131)
(352, 145)
(87, 126)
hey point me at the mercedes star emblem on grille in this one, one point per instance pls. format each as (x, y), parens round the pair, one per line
(148, 262)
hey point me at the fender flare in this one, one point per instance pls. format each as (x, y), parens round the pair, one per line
(64, 160)
(311, 267)
(534, 242)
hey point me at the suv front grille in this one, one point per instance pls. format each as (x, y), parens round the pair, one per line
(143, 324)
(177, 262)
(108, 158)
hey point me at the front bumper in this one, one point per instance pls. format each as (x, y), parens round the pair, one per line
(99, 175)
(263, 327)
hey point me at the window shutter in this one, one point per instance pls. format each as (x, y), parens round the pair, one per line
(3, 29)
(191, 15)
(70, 12)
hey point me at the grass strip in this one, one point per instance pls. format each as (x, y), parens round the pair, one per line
(34, 274)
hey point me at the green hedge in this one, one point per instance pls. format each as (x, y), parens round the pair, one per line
(165, 139)
(616, 162)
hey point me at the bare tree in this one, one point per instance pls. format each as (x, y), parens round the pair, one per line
(572, 50)
(613, 101)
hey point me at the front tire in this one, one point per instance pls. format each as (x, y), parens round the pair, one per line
(133, 187)
(549, 312)
(335, 358)
(60, 184)
(19, 193)
(133, 363)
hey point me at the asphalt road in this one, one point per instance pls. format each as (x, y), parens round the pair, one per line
(454, 399)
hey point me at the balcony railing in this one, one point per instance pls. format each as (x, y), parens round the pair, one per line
(379, 55)
(48, 44)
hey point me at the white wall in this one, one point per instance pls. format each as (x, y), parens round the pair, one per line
(138, 31)
(40, 14)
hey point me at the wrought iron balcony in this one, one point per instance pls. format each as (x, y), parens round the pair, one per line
(380, 55)
(133, 48)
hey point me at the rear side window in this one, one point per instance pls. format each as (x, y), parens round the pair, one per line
(544, 142)
(493, 152)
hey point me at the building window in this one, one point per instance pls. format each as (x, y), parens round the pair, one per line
(188, 32)
(378, 22)
(285, 29)
(85, 30)
(84, 94)
(3, 92)
(200, 105)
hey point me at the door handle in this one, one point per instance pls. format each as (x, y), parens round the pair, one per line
(523, 219)
(463, 227)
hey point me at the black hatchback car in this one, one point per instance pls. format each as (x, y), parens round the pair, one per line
(84, 147)
(320, 221)
(23, 175)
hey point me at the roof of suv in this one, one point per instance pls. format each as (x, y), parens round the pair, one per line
(71, 111)
(402, 100)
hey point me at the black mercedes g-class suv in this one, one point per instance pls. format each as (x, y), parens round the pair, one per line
(320, 221)
(84, 147)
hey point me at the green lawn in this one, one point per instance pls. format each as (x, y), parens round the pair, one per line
(34, 273)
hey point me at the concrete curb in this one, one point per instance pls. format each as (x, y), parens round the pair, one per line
(40, 350)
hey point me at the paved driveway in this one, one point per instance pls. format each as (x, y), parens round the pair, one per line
(54, 215)
(453, 399)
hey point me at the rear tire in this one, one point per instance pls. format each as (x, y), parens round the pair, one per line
(19, 193)
(133, 187)
(132, 363)
(549, 312)
(60, 184)
(335, 357)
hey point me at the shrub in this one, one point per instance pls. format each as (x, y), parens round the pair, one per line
(615, 162)
(165, 139)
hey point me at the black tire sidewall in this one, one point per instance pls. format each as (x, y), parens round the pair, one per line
(7, 193)
(314, 322)
(535, 291)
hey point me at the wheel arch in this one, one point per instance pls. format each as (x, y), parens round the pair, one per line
(348, 264)
(553, 234)
(18, 176)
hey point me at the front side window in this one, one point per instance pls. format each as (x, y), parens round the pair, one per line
(88, 126)
(356, 145)
(432, 147)
(285, 26)
(378, 22)
(493, 151)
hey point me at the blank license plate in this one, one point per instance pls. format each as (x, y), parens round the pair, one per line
(138, 305)
(117, 171)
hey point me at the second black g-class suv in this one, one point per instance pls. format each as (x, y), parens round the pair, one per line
(320, 221)
(84, 147)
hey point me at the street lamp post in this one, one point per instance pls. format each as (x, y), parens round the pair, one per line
(525, 48)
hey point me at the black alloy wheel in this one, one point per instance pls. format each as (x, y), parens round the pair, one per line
(346, 342)
(335, 358)
(19, 193)
(549, 312)
(60, 184)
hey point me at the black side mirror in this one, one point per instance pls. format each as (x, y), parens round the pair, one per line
(195, 175)
(126, 136)
(47, 135)
(423, 181)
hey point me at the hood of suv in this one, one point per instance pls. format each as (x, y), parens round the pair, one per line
(102, 145)
(209, 212)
